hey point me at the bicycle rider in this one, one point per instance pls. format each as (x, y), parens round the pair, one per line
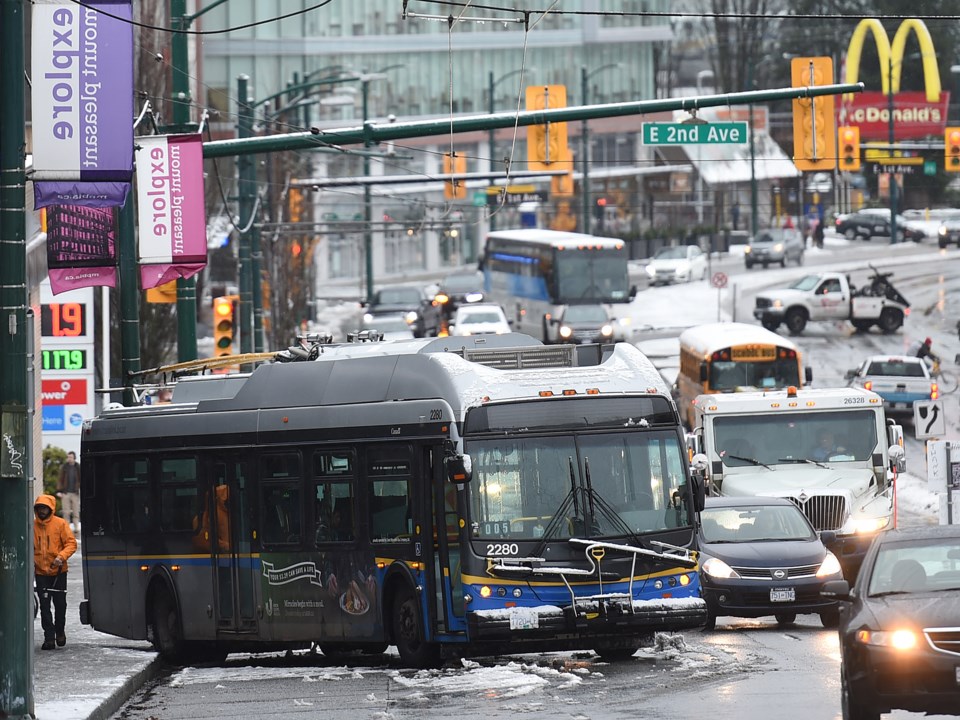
(926, 354)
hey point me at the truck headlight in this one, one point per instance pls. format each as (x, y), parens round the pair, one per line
(864, 526)
(777, 304)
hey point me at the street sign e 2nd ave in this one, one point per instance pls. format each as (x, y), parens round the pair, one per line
(718, 133)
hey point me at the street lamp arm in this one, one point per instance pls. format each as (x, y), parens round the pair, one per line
(382, 132)
(187, 20)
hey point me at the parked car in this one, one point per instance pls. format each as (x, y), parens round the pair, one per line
(479, 319)
(407, 300)
(899, 625)
(392, 327)
(457, 289)
(677, 264)
(901, 380)
(776, 245)
(874, 222)
(761, 556)
(589, 323)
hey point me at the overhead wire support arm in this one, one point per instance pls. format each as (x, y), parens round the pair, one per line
(373, 133)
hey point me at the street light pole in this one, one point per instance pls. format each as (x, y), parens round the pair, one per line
(753, 162)
(367, 199)
(893, 176)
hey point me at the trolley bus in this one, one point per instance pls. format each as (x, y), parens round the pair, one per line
(728, 357)
(449, 496)
(534, 274)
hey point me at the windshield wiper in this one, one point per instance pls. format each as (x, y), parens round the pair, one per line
(752, 461)
(597, 500)
(560, 514)
(803, 460)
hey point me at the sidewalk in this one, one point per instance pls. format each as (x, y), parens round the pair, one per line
(93, 674)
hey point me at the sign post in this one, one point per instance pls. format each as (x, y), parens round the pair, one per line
(719, 281)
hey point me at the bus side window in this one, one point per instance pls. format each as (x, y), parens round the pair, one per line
(389, 510)
(281, 515)
(131, 495)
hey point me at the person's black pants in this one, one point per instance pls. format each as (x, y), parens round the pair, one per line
(52, 588)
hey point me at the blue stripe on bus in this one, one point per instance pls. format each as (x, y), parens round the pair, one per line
(534, 288)
(516, 258)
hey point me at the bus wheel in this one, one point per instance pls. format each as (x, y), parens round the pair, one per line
(167, 632)
(408, 632)
(616, 654)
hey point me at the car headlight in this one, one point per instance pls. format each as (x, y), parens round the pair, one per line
(778, 247)
(651, 271)
(717, 568)
(410, 317)
(566, 331)
(943, 230)
(473, 297)
(367, 317)
(902, 639)
(778, 304)
(829, 566)
(747, 249)
(606, 330)
(864, 526)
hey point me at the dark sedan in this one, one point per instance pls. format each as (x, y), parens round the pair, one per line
(900, 625)
(410, 302)
(761, 556)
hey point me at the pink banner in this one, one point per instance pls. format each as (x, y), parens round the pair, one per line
(81, 247)
(173, 226)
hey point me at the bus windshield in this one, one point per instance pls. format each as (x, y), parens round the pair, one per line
(728, 375)
(520, 484)
(594, 276)
(771, 439)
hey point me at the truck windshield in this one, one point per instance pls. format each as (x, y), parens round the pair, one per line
(796, 437)
(807, 282)
(520, 484)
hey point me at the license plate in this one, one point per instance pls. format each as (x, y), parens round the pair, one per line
(524, 619)
(783, 595)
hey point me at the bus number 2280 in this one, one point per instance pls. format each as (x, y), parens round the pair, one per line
(501, 549)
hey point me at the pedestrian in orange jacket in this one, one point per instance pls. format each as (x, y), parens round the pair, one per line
(53, 543)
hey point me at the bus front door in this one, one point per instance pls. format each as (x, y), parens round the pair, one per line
(447, 573)
(235, 576)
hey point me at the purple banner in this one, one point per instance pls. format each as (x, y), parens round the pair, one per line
(172, 222)
(81, 247)
(82, 90)
(105, 194)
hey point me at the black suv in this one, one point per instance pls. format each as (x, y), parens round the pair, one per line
(458, 289)
(411, 302)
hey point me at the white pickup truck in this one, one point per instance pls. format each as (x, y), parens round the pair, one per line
(830, 296)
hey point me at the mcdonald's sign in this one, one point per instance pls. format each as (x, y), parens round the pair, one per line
(915, 114)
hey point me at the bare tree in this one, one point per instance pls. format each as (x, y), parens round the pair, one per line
(742, 31)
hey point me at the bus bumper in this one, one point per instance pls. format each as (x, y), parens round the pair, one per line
(565, 628)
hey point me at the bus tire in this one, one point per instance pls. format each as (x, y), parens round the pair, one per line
(890, 320)
(409, 633)
(167, 629)
(617, 654)
(796, 320)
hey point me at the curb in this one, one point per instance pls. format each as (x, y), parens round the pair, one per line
(132, 684)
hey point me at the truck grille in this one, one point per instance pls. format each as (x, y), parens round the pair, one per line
(764, 302)
(825, 512)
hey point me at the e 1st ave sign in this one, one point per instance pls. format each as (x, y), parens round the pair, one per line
(718, 133)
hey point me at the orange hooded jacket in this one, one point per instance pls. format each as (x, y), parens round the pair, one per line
(52, 538)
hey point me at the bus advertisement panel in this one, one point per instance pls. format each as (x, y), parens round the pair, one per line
(449, 496)
(534, 274)
(731, 357)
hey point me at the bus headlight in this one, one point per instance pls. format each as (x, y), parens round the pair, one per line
(565, 331)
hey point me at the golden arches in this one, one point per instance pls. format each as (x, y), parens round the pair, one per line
(891, 56)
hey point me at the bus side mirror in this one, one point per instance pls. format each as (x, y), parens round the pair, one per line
(703, 372)
(850, 374)
(808, 374)
(459, 468)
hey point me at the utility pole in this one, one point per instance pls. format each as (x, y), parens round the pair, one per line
(16, 529)
(129, 301)
(585, 151)
(492, 141)
(893, 176)
(247, 187)
(367, 199)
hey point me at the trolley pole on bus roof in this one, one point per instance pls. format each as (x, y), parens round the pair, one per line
(16, 491)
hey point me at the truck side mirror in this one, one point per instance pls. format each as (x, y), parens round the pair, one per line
(898, 461)
(703, 372)
(850, 374)
(808, 374)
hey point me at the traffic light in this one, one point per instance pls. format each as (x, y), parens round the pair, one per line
(454, 164)
(223, 325)
(546, 144)
(295, 204)
(951, 149)
(849, 160)
(814, 127)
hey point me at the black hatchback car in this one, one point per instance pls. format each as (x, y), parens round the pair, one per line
(411, 302)
(867, 224)
(900, 625)
(761, 556)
